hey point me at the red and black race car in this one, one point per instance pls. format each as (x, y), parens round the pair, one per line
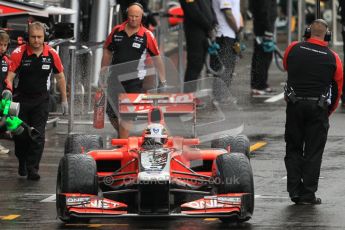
(155, 174)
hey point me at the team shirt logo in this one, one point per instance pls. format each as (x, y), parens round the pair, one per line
(45, 66)
(136, 45)
(4, 69)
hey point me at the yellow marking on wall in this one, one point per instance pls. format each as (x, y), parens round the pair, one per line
(257, 146)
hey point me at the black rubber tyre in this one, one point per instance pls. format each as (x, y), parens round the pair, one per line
(223, 142)
(77, 173)
(236, 176)
(241, 145)
(77, 143)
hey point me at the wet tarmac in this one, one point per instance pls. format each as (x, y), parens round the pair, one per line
(31, 205)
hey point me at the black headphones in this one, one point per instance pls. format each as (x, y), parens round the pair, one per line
(41, 25)
(328, 35)
(135, 4)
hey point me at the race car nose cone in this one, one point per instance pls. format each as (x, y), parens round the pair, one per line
(153, 177)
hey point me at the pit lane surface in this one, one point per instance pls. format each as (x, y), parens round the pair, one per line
(30, 205)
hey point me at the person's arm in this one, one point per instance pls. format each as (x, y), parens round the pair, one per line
(61, 83)
(106, 58)
(286, 54)
(158, 62)
(338, 81)
(271, 15)
(230, 19)
(192, 9)
(152, 47)
(14, 65)
(9, 80)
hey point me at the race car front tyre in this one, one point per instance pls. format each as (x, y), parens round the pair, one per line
(77, 173)
(236, 176)
(241, 145)
(238, 144)
(223, 142)
(77, 143)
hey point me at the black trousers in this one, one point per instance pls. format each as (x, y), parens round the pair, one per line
(305, 136)
(227, 57)
(34, 112)
(130, 86)
(261, 62)
(196, 43)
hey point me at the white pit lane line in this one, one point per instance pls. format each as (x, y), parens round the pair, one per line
(275, 98)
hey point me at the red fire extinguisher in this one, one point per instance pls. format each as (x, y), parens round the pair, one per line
(98, 111)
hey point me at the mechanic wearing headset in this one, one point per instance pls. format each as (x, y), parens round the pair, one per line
(315, 79)
(130, 41)
(148, 20)
(33, 63)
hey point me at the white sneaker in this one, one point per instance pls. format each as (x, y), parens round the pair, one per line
(268, 92)
(4, 150)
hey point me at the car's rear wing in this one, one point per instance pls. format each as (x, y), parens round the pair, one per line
(171, 103)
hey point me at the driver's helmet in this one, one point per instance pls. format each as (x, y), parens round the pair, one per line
(155, 134)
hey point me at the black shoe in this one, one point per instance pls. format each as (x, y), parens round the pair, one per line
(313, 201)
(33, 175)
(22, 171)
(295, 199)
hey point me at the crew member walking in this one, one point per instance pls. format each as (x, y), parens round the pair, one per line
(33, 63)
(315, 79)
(264, 14)
(199, 24)
(130, 42)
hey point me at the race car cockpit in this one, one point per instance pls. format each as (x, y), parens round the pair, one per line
(155, 135)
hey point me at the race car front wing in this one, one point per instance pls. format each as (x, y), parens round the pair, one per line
(220, 205)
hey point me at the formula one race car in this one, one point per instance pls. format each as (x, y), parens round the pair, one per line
(165, 168)
(155, 174)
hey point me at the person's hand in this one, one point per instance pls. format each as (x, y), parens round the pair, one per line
(212, 34)
(103, 75)
(163, 87)
(6, 94)
(163, 84)
(213, 48)
(268, 44)
(64, 107)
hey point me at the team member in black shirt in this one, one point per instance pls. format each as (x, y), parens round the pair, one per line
(315, 79)
(33, 63)
(130, 41)
(264, 14)
(199, 24)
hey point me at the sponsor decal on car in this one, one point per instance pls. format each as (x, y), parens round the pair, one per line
(211, 202)
(92, 202)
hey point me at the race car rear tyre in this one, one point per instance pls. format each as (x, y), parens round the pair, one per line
(77, 173)
(223, 142)
(236, 176)
(78, 143)
(241, 145)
